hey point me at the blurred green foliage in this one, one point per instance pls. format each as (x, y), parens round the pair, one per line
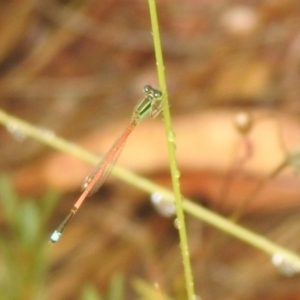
(23, 243)
(115, 290)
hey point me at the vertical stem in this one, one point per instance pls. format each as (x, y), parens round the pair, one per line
(180, 221)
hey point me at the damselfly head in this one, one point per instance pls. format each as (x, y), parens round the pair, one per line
(148, 89)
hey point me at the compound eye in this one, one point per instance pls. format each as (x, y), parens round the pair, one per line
(157, 94)
(147, 88)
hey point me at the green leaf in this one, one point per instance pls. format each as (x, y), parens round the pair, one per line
(89, 292)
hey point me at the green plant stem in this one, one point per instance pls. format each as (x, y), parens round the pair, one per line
(207, 216)
(175, 174)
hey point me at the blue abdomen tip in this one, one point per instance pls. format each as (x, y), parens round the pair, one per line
(55, 236)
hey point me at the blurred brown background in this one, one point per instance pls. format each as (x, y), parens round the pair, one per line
(78, 68)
